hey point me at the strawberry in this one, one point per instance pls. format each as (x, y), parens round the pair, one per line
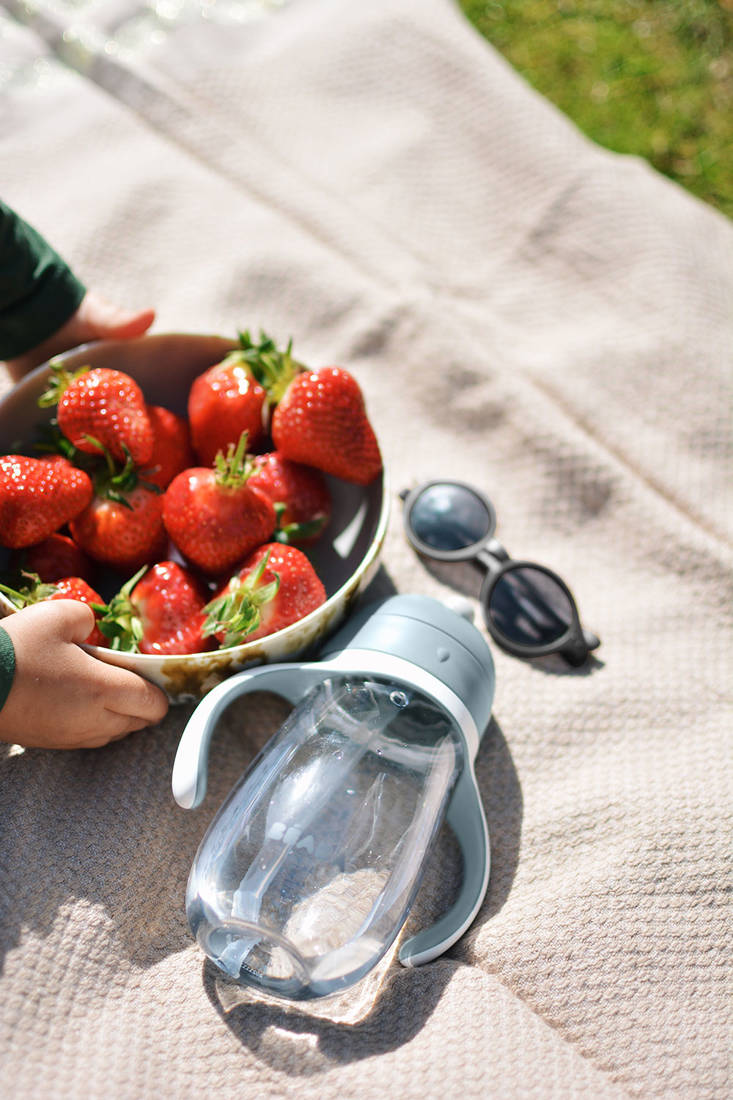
(300, 495)
(231, 397)
(122, 526)
(67, 588)
(101, 408)
(322, 422)
(160, 612)
(276, 586)
(172, 450)
(122, 533)
(56, 557)
(212, 514)
(37, 496)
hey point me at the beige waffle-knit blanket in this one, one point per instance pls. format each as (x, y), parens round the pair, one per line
(523, 310)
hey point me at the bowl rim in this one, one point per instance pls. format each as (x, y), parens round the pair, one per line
(244, 650)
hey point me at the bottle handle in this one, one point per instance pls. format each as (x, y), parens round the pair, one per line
(466, 817)
(188, 780)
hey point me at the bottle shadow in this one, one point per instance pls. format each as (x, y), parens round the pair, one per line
(302, 1041)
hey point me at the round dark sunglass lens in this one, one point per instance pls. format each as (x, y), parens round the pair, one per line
(449, 517)
(529, 607)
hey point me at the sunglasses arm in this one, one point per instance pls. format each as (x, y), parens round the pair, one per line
(467, 820)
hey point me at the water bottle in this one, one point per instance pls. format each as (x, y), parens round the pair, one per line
(307, 873)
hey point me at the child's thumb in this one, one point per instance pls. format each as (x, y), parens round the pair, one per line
(107, 321)
(74, 619)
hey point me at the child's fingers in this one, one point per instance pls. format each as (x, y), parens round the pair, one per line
(132, 697)
(62, 696)
(104, 320)
(102, 728)
(124, 692)
(114, 727)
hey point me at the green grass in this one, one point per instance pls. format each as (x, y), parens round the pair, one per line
(648, 77)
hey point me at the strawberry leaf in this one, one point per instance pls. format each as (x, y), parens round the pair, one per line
(235, 466)
(236, 612)
(34, 592)
(273, 369)
(58, 383)
(295, 532)
(121, 622)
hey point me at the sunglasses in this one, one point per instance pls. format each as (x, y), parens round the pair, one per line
(528, 609)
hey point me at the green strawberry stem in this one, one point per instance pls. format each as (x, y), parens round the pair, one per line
(120, 622)
(58, 383)
(274, 369)
(236, 612)
(53, 441)
(34, 592)
(234, 467)
(294, 532)
(114, 482)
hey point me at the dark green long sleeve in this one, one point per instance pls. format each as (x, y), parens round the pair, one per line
(38, 291)
(7, 665)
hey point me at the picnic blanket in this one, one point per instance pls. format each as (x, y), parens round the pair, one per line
(524, 311)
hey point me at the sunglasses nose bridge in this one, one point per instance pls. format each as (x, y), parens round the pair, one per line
(492, 555)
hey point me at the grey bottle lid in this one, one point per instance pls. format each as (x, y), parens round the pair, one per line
(429, 634)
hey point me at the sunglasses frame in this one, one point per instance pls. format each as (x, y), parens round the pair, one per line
(574, 644)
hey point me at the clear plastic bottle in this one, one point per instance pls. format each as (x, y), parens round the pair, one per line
(307, 873)
(310, 868)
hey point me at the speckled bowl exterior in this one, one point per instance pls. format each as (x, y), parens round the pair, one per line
(346, 556)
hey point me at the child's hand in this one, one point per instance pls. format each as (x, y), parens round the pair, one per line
(95, 319)
(62, 697)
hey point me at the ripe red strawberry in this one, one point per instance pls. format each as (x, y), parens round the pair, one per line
(172, 450)
(232, 396)
(161, 613)
(276, 586)
(37, 496)
(67, 588)
(101, 408)
(322, 422)
(56, 557)
(212, 514)
(123, 533)
(300, 495)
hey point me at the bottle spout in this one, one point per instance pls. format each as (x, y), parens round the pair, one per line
(258, 956)
(264, 959)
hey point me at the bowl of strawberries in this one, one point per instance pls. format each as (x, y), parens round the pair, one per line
(217, 503)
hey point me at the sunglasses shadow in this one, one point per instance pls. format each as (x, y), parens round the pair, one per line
(555, 665)
(466, 578)
(462, 576)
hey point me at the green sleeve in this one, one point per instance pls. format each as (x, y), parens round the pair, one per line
(38, 291)
(7, 665)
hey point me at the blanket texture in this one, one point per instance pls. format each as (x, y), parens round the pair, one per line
(522, 310)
